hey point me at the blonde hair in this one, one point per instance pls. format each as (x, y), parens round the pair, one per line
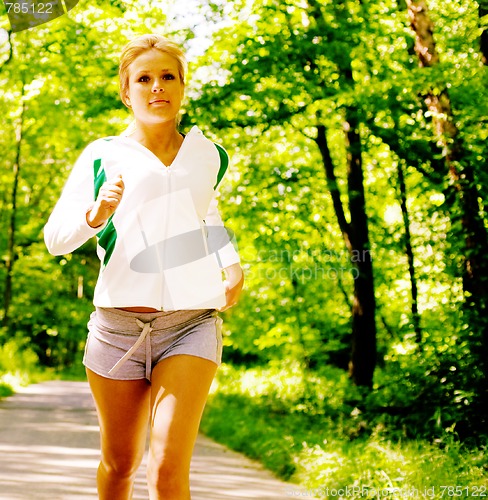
(138, 46)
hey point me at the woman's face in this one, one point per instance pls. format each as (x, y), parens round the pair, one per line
(155, 89)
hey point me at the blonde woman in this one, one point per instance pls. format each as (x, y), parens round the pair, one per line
(167, 268)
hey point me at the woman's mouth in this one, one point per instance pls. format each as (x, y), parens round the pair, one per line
(159, 101)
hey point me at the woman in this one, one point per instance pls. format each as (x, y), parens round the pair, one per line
(154, 340)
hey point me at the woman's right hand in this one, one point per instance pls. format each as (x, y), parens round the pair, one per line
(107, 202)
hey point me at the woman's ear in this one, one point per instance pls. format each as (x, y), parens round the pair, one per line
(124, 96)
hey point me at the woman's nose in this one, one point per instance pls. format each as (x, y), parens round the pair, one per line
(157, 87)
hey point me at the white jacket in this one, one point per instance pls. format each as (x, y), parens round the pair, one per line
(165, 245)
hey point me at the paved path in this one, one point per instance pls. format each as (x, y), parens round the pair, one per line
(49, 450)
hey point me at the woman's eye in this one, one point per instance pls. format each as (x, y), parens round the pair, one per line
(143, 79)
(169, 76)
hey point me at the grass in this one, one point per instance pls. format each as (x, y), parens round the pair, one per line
(307, 429)
(5, 390)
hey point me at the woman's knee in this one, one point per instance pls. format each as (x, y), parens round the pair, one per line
(121, 465)
(168, 479)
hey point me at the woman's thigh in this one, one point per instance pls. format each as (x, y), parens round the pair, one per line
(179, 390)
(123, 413)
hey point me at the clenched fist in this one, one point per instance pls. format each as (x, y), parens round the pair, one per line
(107, 202)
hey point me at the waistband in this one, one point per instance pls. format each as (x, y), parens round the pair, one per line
(160, 320)
(145, 323)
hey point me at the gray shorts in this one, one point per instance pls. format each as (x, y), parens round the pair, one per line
(124, 345)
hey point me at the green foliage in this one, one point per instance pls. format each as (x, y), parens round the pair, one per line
(308, 429)
(288, 251)
(19, 365)
(272, 74)
(5, 390)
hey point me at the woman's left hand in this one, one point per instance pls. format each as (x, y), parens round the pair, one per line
(234, 281)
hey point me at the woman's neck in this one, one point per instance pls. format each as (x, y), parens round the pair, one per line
(163, 140)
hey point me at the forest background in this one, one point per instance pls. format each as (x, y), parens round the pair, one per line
(357, 130)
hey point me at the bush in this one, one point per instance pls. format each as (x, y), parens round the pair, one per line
(19, 365)
(318, 430)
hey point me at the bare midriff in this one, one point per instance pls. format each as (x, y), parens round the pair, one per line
(139, 309)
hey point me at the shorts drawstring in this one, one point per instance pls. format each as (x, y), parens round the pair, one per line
(144, 336)
(126, 345)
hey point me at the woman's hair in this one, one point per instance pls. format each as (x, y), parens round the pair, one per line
(140, 45)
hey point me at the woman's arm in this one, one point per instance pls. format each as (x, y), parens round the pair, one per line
(67, 228)
(107, 201)
(220, 243)
(220, 240)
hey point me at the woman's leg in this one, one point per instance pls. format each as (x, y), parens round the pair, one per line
(123, 414)
(179, 390)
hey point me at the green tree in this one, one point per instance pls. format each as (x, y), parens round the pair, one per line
(462, 195)
(347, 73)
(295, 64)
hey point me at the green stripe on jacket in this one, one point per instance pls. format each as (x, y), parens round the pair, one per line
(108, 235)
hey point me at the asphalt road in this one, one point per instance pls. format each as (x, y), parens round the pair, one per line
(49, 449)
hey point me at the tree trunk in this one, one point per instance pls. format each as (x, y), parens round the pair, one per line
(409, 251)
(363, 355)
(355, 234)
(10, 257)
